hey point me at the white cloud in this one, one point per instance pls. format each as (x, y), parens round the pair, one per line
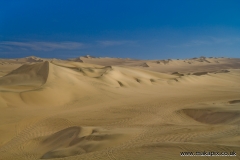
(207, 41)
(114, 43)
(40, 46)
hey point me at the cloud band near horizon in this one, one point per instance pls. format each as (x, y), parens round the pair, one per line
(41, 46)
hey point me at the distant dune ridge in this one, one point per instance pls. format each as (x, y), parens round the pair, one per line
(118, 108)
(30, 59)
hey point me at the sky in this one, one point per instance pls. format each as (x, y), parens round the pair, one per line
(139, 29)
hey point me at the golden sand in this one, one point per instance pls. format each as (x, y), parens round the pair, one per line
(113, 108)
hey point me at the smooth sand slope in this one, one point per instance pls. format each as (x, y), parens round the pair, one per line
(113, 108)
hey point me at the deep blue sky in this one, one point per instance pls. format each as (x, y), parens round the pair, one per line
(143, 29)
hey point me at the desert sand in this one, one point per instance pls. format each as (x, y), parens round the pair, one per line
(114, 108)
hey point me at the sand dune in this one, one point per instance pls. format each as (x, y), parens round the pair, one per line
(26, 76)
(113, 108)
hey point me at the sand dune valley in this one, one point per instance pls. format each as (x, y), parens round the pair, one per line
(118, 109)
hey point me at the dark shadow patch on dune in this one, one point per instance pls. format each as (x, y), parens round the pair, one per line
(234, 101)
(163, 61)
(25, 78)
(39, 69)
(95, 72)
(138, 80)
(175, 79)
(59, 140)
(211, 116)
(177, 74)
(68, 133)
(225, 71)
(200, 73)
(144, 65)
(152, 80)
(120, 83)
(75, 141)
(201, 59)
(222, 71)
(63, 152)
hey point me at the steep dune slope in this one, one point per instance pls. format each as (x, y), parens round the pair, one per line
(25, 77)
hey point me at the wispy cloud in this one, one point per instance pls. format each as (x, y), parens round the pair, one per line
(40, 46)
(115, 43)
(207, 41)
